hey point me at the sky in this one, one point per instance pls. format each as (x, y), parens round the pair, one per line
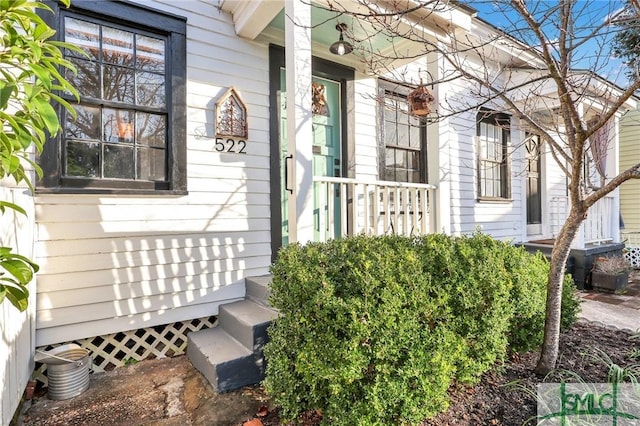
(594, 55)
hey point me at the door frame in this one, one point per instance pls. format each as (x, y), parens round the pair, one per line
(320, 68)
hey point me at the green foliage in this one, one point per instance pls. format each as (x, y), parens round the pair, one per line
(626, 43)
(17, 273)
(570, 303)
(30, 77)
(374, 330)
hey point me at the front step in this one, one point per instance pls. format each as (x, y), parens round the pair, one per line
(247, 322)
(230, 354)
(224, 361)
(258, 289)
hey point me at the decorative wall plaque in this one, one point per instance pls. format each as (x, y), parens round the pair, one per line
(231, 115)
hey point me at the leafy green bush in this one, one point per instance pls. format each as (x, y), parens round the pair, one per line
(374, 330)
(31, 73)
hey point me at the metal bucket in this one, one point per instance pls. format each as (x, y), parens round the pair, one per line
(67, 370)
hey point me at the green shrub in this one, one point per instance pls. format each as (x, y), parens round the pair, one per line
(374, 330)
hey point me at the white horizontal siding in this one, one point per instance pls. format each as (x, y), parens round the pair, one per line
(503, 220)
(366, 150)
(113, 263)
(18, 343)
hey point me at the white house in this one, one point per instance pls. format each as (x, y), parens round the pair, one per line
(195, 156)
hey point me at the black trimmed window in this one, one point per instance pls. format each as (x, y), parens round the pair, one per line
(403, 137)
(492, 151)
(130, 130)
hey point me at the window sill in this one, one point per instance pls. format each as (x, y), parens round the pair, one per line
(489, 200)
(106, 191)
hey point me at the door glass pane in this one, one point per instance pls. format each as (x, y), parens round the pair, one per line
(117, 46)
(151, 129)
(82, 159)
(149, 53)
(118, 161)
(86, 125)
(117, 125)
(151, 164)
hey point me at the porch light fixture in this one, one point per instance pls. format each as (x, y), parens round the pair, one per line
(341, 47)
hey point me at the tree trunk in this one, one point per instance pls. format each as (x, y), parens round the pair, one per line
(559, 256)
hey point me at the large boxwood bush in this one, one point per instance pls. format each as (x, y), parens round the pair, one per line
(374, 330)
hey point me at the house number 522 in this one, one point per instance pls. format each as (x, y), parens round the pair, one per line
(231, 145)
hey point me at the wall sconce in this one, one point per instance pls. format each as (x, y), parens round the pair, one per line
(341, 47)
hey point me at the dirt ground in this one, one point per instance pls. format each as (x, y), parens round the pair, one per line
(171, 392)
(163, 392)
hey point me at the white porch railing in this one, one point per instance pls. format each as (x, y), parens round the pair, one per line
(352, 206)
(598, 227)
(559, 206)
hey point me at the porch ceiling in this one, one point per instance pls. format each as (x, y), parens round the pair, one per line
(266, 18)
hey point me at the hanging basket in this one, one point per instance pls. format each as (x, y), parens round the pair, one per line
(420, 101)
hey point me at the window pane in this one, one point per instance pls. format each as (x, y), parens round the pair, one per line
(117, 125)
(151, 129)
(83, 159)
(87, 124)
(87, 80)
(389, 173)
(150, 89)
(151, 164)
(118, 161)
(389, 113)
(84, 35)
(414, 160)
(117, 46)
(415, 133)
(118, 84)
(403, 135)
(390, 159)
(414, 177)
(390, 133)
(149, 54)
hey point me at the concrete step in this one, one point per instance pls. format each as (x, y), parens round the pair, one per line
(224, 361)
(247, 322)
(258, 289)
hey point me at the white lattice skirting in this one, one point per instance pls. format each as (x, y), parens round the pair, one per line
(632, 254)
(119, 349)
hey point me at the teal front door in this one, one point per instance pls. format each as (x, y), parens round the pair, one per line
(327, 158)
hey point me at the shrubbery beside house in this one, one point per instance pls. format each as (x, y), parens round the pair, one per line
(374, 330)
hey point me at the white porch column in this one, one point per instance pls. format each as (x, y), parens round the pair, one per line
(579, 240)
(613, 168)
(299, 129)
(439, 152)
